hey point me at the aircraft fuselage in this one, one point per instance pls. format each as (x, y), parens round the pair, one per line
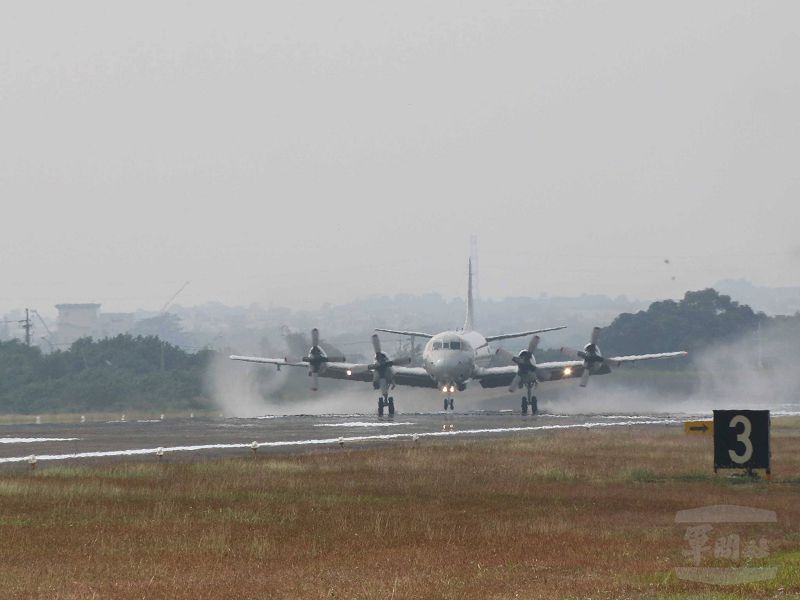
(451, 357)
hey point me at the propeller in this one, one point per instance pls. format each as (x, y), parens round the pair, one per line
(526, 366)
(382, 371)
(592, 358)
(316, 359)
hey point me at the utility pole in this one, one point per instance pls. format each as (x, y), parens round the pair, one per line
(27, 326)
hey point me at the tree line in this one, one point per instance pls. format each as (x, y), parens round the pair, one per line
(122, 372)
(701, 320)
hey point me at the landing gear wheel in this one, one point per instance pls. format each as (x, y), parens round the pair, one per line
(524, 405)
(452, 400)
(534, 405)
(445, 404)
(380, 407)
(391, 406)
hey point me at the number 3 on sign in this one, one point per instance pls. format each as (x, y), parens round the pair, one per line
(741, 439)
(744, 438)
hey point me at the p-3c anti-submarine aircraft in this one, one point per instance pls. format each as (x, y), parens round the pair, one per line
(453, 359)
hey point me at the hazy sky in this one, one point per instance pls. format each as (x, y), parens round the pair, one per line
(310, 152)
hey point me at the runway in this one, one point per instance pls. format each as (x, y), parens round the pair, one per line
(189, 439)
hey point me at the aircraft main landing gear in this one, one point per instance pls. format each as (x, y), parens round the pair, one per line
(388, 403)
(529, 400)
(449, 403)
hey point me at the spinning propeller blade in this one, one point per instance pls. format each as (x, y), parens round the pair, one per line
(585, 377)
(376, 343)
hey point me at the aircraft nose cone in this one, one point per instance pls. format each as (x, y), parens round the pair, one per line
(446, 368)
(438, 365)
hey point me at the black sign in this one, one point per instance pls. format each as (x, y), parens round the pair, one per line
(741, 439)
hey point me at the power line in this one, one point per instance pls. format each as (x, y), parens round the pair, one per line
(25, 323)
(172, 299)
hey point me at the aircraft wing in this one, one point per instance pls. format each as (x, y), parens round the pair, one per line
(280, 362)
(332, 368)
(553, 371)
(411, 333)
(508, 336)
(411, 376)
(566, 369)
(620, 360)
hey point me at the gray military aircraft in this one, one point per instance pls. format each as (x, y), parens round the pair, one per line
(453, 359)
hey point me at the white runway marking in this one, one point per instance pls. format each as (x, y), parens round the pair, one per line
(623, 416)
(331, 441)
(321, 415)
(363, 424)
(34, 440)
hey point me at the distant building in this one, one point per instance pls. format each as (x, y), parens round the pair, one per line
(76, 321)
(114, 324)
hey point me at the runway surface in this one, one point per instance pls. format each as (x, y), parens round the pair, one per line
(187, 439)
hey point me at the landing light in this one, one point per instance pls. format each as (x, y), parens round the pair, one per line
(452, 389)
(444, 389)
(567, 372)
(349, 372)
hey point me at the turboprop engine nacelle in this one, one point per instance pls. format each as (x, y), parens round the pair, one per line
(316, 360)
(526, 366)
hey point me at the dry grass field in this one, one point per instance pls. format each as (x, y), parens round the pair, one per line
(569, 514)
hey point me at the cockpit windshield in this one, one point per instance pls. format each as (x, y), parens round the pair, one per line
(450, 345)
